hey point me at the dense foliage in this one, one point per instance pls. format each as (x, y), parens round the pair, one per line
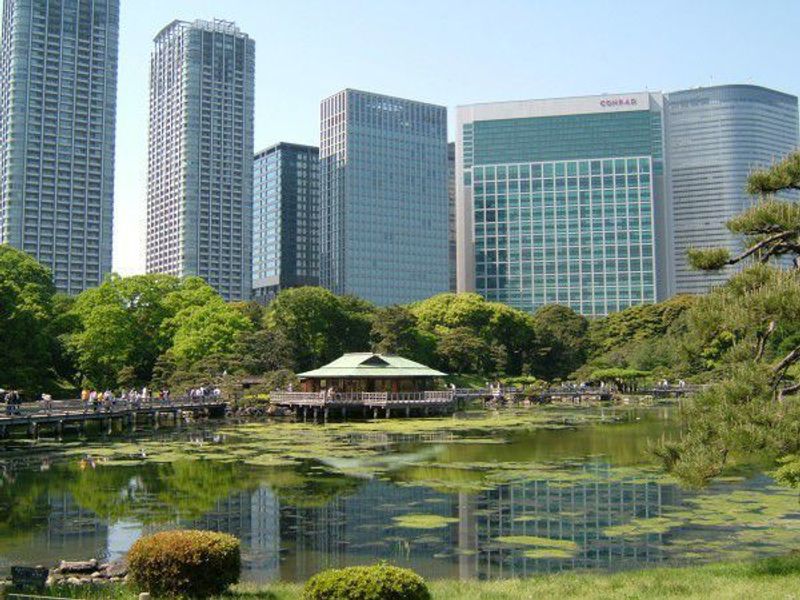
(747, 332)
(376, 582)
(193, 564)
(29, 326)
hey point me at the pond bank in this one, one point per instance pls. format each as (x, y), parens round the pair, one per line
(763, 579)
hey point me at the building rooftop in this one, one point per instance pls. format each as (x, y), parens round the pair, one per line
(370, 365)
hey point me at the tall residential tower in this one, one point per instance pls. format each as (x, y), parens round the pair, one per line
(285, 219)
(562, 201)
(58, 87)
(716, 137)
(383, 197)
(200, 161)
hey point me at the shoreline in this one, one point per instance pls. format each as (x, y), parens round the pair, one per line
(765, 578)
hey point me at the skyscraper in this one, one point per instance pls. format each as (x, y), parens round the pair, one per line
(715, 138)
(200, 161)
(562, 201)
(285, 219)
(451, 215)
(58, 86)
(383, 197)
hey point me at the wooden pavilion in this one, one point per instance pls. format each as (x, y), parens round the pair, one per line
(368, 381)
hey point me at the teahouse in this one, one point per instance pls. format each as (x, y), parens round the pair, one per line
(367, 382)
(368, 372)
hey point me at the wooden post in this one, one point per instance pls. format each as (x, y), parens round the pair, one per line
(375, 413)
(344, 413)
(325, 416)
(60, 429)
(305, 414)
(408, 411)
(388, 411)
(155, 420)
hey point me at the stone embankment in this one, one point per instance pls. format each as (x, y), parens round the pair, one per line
(84, 572)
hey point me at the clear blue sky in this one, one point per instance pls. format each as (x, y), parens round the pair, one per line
(449, 52)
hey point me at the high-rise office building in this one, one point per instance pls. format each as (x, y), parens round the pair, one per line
(451, 214)
(383, 197)
(58, 88)
(200, 161)
(285, 219)
(715, 138)
(562, 201)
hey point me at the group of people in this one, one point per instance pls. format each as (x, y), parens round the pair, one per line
(203, 393)
(11, 401)
(108, 401)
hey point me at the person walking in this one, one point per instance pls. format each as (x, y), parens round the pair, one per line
(47, 403)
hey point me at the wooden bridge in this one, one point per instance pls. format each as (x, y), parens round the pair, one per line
(75, 414)
(324, 404)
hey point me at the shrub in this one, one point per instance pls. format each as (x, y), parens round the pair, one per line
(376, 582)
(197, 564)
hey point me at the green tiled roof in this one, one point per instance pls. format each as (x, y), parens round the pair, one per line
(367, 364)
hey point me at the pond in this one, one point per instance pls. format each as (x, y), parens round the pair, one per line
(481, 495)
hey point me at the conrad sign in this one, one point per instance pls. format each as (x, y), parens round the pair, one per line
(615, 102)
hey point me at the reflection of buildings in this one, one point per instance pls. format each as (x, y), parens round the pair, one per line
(253, 518)
(576, 509)
(359, 529)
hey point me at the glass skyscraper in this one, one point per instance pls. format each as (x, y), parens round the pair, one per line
(285, 219)
(716, 137)
(383, 206)
(58, 87)
(562, 201)
(451, 215)
(200, 162)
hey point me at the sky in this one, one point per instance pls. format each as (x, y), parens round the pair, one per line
(448, 52)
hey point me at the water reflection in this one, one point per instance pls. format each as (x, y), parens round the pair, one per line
(524, 503)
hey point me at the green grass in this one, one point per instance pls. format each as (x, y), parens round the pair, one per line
(777, 578)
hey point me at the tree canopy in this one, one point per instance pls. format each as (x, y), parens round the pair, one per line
(748, 332)
(29, 334)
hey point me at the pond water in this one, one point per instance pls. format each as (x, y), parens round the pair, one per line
(482, 495)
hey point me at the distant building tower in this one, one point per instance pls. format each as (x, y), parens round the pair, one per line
(716, 137)
(563, 201)
(451, 199)
(200, 162)
(285, 219)
(58, 88)
(383, 197)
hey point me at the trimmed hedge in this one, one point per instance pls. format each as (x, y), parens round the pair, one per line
(376, 582)
(197, 564)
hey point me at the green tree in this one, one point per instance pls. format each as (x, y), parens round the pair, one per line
(26, 322)
(395, 331)
(462, 351)
(735, 329)
(562, 334)
(320, 325)
(207, 330)
(120, 325)
(508, 335)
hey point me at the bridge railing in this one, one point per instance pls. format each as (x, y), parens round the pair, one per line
(360, 398)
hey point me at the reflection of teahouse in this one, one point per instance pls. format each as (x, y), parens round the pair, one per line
(368, 372)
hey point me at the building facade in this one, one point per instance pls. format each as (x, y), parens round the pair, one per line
(383, 197)
(200, 158)
(563, 201)
(715, 138)
(285, 219)
(451, 215)
(58, 87)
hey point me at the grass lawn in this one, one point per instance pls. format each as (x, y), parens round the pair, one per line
(761, 580)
